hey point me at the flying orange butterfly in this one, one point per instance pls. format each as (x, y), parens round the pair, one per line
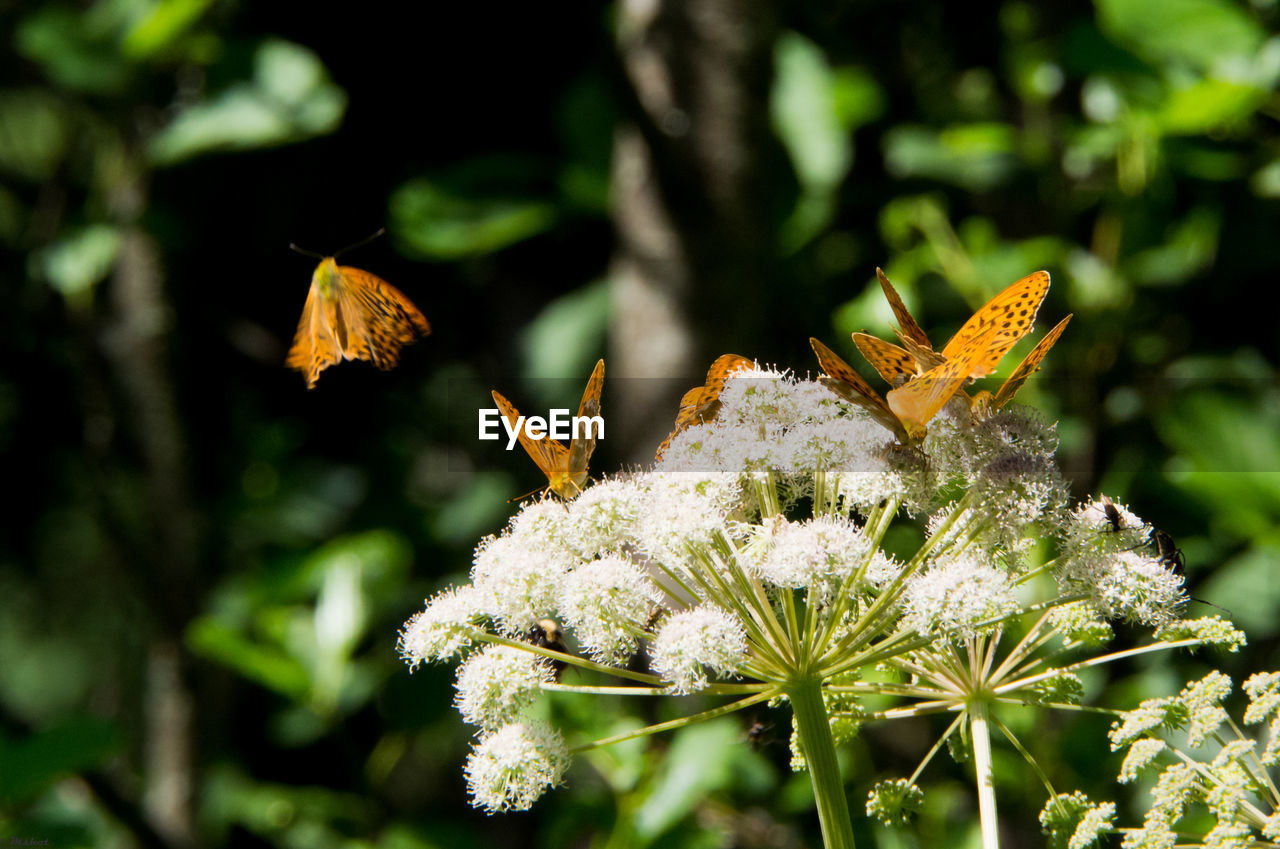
(907, 408)
(701, 403)
(565, 468)
(1011, 313)
(351, 315)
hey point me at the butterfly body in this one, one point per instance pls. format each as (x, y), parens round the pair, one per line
(351, 314)
(919, 399)
(565, 467)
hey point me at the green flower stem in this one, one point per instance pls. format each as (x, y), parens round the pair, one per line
(572, 660)
(819, 749)
(1026, 756)
(982, 767)
(951, 729)
(679, 723)
(709, 690)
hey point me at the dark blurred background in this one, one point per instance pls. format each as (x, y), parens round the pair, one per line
(204, 566)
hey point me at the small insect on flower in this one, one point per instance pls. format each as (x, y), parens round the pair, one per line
(1112, 512)
(547, 634)
(351, 314)
(701, 403)
(1170, 555)
(565, 468)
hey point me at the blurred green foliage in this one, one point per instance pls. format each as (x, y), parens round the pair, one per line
(1129, 147)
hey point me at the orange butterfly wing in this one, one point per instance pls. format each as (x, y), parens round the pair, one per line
(354, 315)
(582, 447)
(701, 404)
(1029, 365)
(919, 400)
(549, 455)
(565, 468)
(1009, 315)
(906, 321)
(380, 319)
(314, 349)
(894, 364)
(841, 379)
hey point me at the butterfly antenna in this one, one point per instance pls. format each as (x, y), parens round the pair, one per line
(366, 240)
(305, 252)
(528, 494)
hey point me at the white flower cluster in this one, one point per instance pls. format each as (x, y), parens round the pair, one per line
(1232, 786)
(1122, 575)
(752, 552)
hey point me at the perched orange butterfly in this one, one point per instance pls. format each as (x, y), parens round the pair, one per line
(1011, 313)
(908, 407)
(920, 398)
(352, 315)
(565, 468)
(701, 403)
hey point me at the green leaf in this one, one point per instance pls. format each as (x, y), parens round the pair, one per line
(977, 156)
(815, 109)
(32, 764)
(1247, 586)
(696, 764)
(1265, 182)
(76, 49)
(439, 221)
(1190, 247)
(566, 337)
(165, 22)
(1208, 104)
(802, 106)
(267, 665)
(1201, 33)
(289, 99)
(35, 131)
(79, 260)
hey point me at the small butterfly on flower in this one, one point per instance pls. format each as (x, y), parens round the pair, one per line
(565, 468)
(701, 403)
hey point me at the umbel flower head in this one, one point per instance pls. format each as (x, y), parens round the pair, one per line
(748, 563)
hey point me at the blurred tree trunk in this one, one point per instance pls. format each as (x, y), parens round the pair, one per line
(695, 243)
(136, 345)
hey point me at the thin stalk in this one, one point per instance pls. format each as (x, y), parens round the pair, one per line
(1026, 756)
(936, 746)
(571, 659)
(814, 730)
(982, 767)
(677, 723)
(709, 690)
